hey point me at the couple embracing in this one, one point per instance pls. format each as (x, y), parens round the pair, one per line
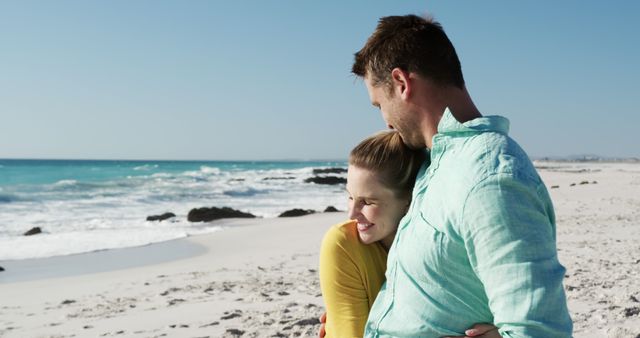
(452, 231)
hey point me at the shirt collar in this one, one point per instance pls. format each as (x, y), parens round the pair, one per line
(449, 125)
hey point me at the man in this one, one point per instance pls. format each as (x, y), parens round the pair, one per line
(478, 243)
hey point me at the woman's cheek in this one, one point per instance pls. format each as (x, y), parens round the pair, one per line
(373, 212)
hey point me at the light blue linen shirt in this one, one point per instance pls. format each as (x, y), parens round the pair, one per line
(477, 245)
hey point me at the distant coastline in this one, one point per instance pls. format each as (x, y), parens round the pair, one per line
(587, 159)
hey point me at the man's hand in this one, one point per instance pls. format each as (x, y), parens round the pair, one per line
(323, 320)
(478, 331)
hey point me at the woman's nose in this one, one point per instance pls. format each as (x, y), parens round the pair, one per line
(354, 211)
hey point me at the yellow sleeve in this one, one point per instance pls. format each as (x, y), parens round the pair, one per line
(344, 292)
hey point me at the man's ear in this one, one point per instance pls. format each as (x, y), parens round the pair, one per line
(401, 83)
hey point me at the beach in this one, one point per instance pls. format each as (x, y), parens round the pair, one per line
(259, 277)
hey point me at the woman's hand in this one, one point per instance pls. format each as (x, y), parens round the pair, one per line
(480, 331)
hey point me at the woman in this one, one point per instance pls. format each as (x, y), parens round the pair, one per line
(353, 256)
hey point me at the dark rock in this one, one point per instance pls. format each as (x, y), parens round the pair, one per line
(331, 209)
(230, 316)
(329, 171)
(278, 178)
(572, 184)
(176, 301)
(584, 182)
(211, 324)
(68, 301)
(631, 311)
(235, 332)
(555, 186)
(33, 231)
(1, 268)
(305, 322)
(594, 182)
(210, 214)
(296, 213)
(162, 217)
(330, 180)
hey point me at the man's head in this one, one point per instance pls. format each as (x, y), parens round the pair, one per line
(408, 65)
(413, 44)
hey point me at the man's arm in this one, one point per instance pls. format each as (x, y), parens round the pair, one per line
(509, 232)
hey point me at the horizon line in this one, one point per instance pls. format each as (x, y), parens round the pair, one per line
(165, 160)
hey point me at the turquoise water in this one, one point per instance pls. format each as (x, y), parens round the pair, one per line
(34, 172)
(83, 205)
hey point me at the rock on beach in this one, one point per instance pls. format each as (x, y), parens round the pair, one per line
(329, 180)
(214, 213)
(296, 213)
(33, 231)
(162, 217)
(329, 171)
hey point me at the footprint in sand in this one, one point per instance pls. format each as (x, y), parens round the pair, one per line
(227, 316)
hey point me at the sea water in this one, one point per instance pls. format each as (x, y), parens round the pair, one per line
(84, 206)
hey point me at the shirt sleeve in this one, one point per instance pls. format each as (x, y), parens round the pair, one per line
(509, 234)
(343, 290)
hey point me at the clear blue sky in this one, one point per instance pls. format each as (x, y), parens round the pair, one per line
(228, 80)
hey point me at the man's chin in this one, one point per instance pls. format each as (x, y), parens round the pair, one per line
(412, 143)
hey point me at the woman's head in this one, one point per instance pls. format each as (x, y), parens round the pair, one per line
(382, 172)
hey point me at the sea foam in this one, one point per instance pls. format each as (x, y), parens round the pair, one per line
(85, 206)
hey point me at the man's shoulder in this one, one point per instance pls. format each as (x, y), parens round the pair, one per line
(486, 154)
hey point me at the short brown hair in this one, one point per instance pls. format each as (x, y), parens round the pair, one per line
(413, 44)
(385, 153)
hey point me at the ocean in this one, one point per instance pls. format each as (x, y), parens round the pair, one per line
(84, 205)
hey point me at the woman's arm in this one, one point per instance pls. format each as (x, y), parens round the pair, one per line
(343, 290)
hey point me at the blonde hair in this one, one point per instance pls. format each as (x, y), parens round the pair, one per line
(396, 164)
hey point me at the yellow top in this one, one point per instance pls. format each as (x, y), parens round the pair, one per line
(351, 274)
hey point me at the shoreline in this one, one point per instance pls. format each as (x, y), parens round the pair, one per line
(23, 270)
(109, 260)
(256, 271)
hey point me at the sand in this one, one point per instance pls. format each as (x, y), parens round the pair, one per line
(258, 278)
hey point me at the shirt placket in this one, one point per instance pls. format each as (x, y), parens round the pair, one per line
(391, 283)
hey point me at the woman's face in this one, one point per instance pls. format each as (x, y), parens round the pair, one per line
(375, 207)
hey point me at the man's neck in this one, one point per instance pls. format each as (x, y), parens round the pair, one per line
(461, 105)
